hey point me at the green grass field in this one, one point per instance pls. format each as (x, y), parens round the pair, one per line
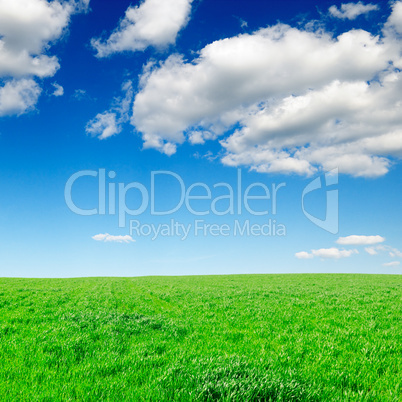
(229, 338)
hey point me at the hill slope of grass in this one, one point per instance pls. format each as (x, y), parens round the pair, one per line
(245, 338)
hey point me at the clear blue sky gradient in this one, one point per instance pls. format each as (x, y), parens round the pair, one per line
(40, 150)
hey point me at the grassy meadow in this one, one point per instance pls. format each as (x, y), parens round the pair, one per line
(226, 338)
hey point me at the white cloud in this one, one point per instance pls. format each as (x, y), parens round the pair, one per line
(392, 251)
(344, 124)
(360, 240)
(199, 137)
(27, 29)
(371, 250)
(103, 125)
(335, 253)
(152, 23)
(107, 238)
(351, 11)
(304, 255)
(395, 19)
(58, 90)
(391, 264)
(109, 123)
(18, 96)
(331, 253)
(302, 101)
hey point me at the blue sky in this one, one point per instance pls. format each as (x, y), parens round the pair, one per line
(277, 92)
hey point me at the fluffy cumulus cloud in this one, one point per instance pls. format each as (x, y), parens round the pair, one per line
(283, 100)
(27, 28)
(395, 20)
(304, 255)
(357, 240)
(331, 253)
(108, 238)
(351, 11)
(18, 96)
(58, 90)
(199, 137)
(109, 123)
(152, 23)
(103, 125)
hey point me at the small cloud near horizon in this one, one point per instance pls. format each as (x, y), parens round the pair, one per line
(391, 264)
(357, 240)
(333, 253)
(108, 238)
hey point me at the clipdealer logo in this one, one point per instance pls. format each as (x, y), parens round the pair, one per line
(220, 199)
(331, 221)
